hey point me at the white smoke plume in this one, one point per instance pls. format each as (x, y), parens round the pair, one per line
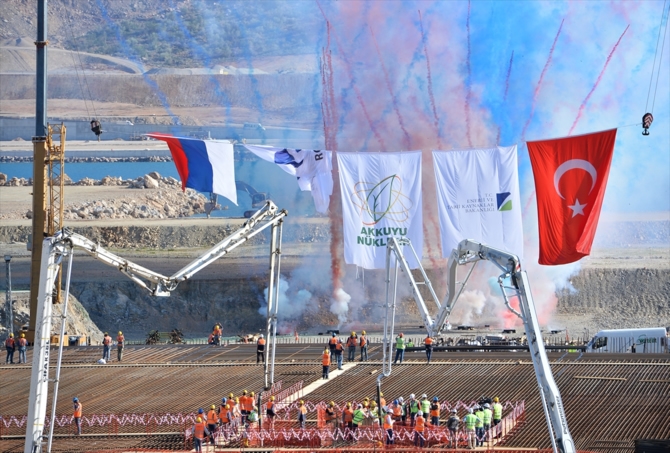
(291, 306)
(339, 305)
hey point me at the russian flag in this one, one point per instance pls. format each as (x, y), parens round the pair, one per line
(203, 165)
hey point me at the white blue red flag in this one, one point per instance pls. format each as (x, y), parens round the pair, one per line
(203, 165)
(312, 167)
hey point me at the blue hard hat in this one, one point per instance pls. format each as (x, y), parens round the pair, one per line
(75, 399)
(435, 398)
(201, 411)
(223, 400)
(395, 402)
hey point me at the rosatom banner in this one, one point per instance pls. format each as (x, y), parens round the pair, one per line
(478, 198)
(381, 198)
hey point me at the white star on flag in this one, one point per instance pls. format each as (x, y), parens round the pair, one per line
(577, 208)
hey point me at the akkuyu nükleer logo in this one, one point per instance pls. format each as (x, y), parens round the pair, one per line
(376, 201)
(504, 201)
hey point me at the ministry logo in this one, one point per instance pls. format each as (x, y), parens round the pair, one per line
(504, 201)
(383, 199)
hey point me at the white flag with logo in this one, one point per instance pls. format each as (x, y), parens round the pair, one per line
(381, 198)
(478, 198)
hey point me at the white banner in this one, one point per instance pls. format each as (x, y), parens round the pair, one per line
(381, 198)
(478, 198)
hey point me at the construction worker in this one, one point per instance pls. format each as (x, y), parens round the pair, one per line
(331, 415)
(77, 414)
(497, 411)
(120, 342)
(212, 422)
(244, 406)
(302, 414)
(332, 343)
(453, 425)
(413, 406)
(325, 361)
(419, 429)
(224, 412)
(217, 332)
(199, 434)
(488, 416)
(351, 346)
(425, 404)
(270, 411)
(348, 417)
(399, 348)
(237, 413)
(252, 418)
(252, 401)
(374, 414)
(382, 400)
(23, 345)
(435, 412)
(397, 411)
(106, 347)
(10, 347)
(388, 425)
(428, 342)
(339, 352)
(358, 417)
(260, 349)
(479, 426)
(470, 421)
(363, 342)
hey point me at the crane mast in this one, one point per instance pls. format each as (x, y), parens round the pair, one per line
(513, 283)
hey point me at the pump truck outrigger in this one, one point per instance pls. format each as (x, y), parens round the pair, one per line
(62, 244)
(513, 283)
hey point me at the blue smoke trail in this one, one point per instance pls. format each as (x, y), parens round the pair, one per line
(129, 54)
(249, 58)
(202, 55)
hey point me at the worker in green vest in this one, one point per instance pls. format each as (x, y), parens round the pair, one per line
(359, 417)
(470, 422)
(497, 411)
(479, 426)
(413, 408)
(425, 404)
(399, 348)
(488, 416)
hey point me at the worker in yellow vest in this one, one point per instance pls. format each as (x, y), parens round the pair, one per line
(470, 422)
(497, 411)
(419, 428)
(479, 426)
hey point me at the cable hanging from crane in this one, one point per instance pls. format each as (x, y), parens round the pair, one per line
(96, 126)
(648, 117)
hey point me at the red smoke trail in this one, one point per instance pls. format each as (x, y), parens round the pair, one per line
(331, 94)
(359, 97)
(325, 110)
(408, 142)
(430, 84)
(336, 236)
(539, 82)
(595, 85)
(509, 72)
(468, 91)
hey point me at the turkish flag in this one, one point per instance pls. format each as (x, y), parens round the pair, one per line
(570, 178)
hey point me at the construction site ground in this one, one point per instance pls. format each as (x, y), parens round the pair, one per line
(610, 399)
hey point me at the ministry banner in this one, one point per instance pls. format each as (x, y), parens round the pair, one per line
(478, 198)
(381, 198)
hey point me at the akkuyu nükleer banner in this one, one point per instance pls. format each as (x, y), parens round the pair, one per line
(478, 198)
(381, 198)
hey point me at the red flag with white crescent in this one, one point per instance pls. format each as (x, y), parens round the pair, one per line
(570, 179)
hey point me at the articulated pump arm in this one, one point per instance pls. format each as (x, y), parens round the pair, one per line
(513, 283)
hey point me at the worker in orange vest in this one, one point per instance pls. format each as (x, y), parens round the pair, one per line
(419, 428)
(270, 411)
(260, 349)
(435, 412)
(218, 332)
(199, 434)
(351, 346)
(120, 343)
(331, 415)
(363, 342)
(302, 414)
(244, 406)
(332, 343)
(388, 425)
(325, 361)
(10, 346)
(428, 342)
(348, 417)
(212, 422)
(77, 414)
(23, 345)
(224, 412)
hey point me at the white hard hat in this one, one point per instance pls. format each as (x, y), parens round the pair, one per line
(470, 410)
(411, 395)
(487, 405)
(424, 396)
(419, 414)
(401, 399)
(260, 336)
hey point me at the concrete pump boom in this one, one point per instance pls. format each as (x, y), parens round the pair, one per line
(513, 283)
(55, 248)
